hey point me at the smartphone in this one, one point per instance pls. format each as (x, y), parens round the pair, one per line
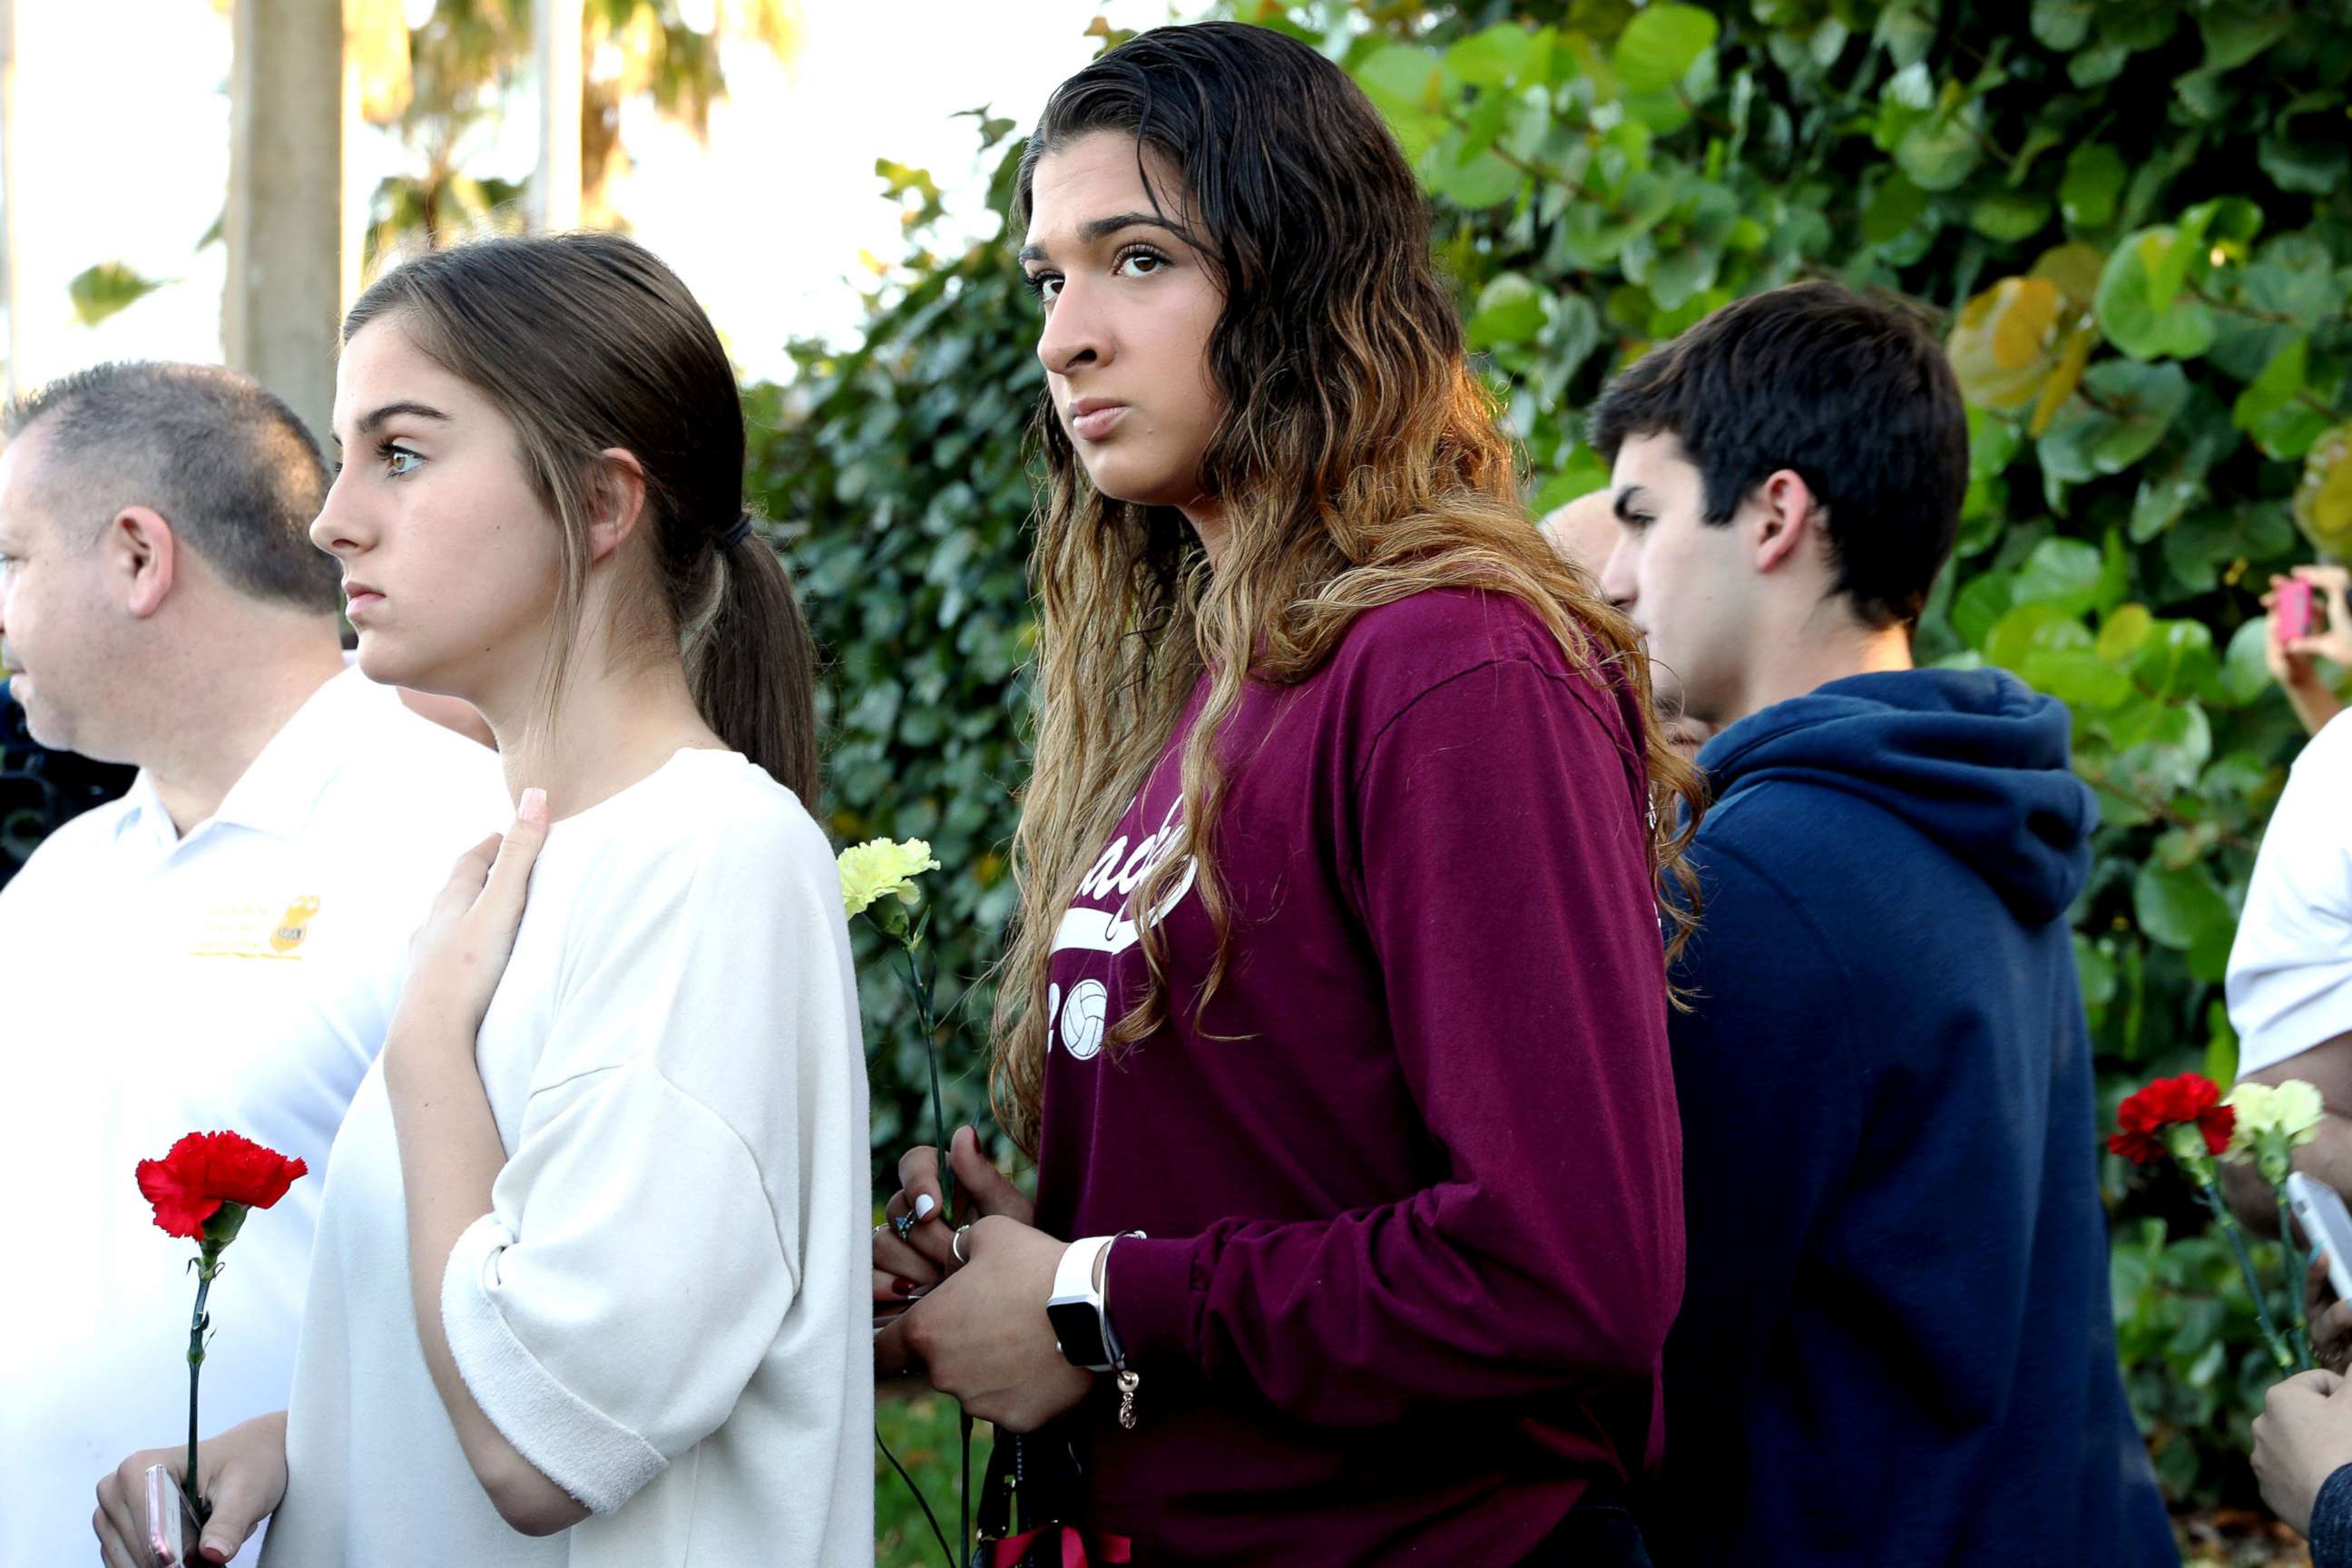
(2326, 1223)
(2292, 611)
(173, 1529)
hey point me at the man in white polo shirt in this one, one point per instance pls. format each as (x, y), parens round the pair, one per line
(222, 947)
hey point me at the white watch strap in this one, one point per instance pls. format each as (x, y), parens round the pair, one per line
(1074, 1276)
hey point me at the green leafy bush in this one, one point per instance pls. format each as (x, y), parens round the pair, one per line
(895, 474)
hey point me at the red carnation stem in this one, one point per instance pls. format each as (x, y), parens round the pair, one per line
(207, 1267)
(2228, 1224)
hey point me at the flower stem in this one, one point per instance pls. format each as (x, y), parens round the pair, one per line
(206, 1267)
(2298, 1264)
(928, 1023)
(2228, 1228)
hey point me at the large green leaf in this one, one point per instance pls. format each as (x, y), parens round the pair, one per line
(2180, 909)
(2062, 25)
(1510, 311)
(2233, 37)
(2139, 317)
(2062, 572)
(2123, 412)
(2094, 183)
(2277, 407)
(1502, 54)
(1660, 45)
(1943, 150)
(1406, 82)
(1894, 207)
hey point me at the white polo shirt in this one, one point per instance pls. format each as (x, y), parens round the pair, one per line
(152, 986)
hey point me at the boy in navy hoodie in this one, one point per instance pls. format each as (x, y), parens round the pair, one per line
(1895, 1344)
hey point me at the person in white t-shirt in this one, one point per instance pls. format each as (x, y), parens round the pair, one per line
(2290, 974)
(220, 948)
(586, 1288)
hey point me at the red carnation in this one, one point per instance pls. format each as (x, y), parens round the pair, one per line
(2189, 1100)
(205, 1170)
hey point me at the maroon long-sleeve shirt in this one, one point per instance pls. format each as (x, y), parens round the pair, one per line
(1412, 1184)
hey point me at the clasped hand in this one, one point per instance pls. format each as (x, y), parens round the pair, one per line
(977, 1329)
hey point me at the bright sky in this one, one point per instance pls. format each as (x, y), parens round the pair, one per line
(123, 123)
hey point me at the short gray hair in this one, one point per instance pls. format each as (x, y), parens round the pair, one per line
(228, 465)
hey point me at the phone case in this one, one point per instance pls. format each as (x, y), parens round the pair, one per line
(172, 1532)
(2293, 611)
(2326, 1223)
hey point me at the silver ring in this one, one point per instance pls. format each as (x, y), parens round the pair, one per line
(956, 1245)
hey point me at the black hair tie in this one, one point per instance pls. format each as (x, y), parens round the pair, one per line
(738, 531)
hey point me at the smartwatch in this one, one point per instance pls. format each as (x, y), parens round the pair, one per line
(1075, 1310)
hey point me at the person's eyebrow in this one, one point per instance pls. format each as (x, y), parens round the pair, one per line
(1103, 228)
(377, 418)
(1624, 504)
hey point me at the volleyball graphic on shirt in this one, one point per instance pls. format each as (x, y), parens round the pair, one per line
(1084, 1019)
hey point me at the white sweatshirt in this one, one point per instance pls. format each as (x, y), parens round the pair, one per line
(661, 1311)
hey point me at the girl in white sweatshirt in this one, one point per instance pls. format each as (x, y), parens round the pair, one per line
(584, 1289)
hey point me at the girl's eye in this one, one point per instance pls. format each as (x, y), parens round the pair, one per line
(400, 462)
(1045, 285)
(1140, 262)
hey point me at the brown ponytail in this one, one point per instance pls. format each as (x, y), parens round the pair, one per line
(753, 667)
(586, 342)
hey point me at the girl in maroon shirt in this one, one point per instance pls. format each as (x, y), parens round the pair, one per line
(1335, 1011)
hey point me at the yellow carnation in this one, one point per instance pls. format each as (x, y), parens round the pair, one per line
(2272, 1123)
(2296, 1111)
(2252, 1102)
(2291, 1110)
(880, 865)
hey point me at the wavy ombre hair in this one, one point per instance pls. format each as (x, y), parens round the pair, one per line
(1358, 461)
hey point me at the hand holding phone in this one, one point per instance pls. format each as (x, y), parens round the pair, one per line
(2326, 1223)
(173, 1529)
(2291, 612)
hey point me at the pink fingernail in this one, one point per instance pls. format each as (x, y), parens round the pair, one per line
(532, 807)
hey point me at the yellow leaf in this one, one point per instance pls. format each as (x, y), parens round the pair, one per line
(2323, 500)
(2022, 320)
(2075, 269)
(2001, 346)
(2064, 378)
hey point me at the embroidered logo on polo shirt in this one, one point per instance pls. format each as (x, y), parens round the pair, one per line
(295, 926)
(249, 930)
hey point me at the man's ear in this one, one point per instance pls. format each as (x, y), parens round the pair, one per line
(141, 558)
(1788, 517)
(617, 497)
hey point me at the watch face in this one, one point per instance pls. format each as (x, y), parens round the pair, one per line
(1079, 1327)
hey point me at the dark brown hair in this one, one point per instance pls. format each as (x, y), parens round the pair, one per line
(1854, 394)
(1358, 460)
(587, 341)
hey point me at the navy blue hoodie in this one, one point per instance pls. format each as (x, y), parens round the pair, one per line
(1895, 1344)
